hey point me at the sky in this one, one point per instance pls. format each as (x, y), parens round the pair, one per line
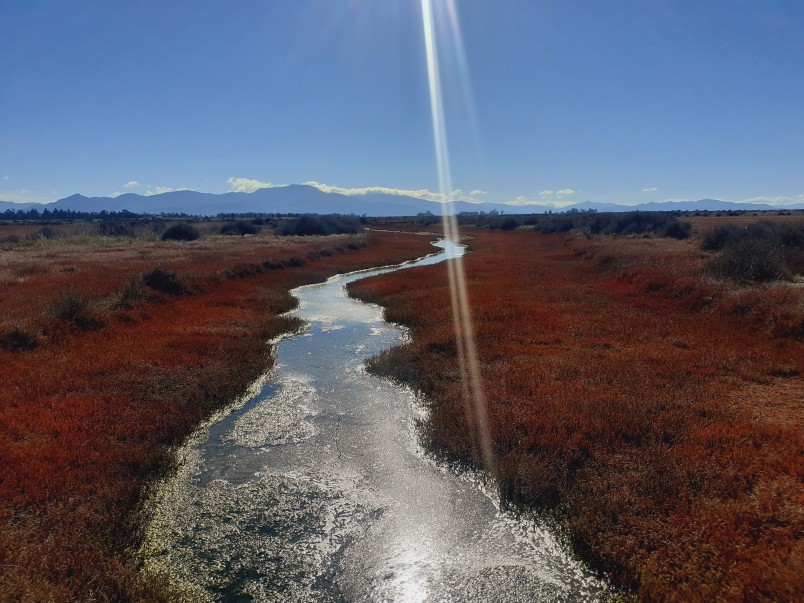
(546, 101)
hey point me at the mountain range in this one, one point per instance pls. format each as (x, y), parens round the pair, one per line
(299, 198)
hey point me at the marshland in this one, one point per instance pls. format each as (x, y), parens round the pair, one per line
(644, 408)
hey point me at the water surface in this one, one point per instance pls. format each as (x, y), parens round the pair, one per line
(316, 490)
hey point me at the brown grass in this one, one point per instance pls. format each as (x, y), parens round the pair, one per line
(88, 416)
(655, 413)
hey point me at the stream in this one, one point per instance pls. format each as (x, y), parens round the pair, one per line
(316, 488)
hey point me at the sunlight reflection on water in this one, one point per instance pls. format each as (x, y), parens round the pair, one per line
(317, 490)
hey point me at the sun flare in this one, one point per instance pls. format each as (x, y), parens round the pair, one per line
(474, 398)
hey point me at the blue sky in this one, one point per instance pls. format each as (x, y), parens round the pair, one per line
(570, 100)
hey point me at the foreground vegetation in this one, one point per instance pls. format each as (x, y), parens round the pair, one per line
(110, 355)
(653, 410)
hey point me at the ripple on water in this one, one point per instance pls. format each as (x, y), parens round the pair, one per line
(318, 491)
(267, 540)
(282, 420)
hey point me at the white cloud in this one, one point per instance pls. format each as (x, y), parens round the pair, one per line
(556, 195)
(775, 200)
(248, 185)
(131, 184)
(477, 193)
(158, 190)
(116, 194)
(676, 200)
(521, 200)
(6, 178)
(24, 195)
(425, 194)
(652, 189)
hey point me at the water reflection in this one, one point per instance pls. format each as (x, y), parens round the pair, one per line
(315, 489)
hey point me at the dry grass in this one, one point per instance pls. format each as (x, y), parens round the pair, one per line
(656, 413)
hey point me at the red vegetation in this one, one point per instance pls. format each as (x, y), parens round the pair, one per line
(658, 414)
(117, 374)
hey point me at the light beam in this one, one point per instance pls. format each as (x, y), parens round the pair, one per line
(471, 383)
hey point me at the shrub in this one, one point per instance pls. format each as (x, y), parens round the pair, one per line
(181, 232)
(69, 307)
(715, 239)
(509, 224)
(241, 227)
(750, 258)
(73, 309)
(18, 340)
(319, 225)
(132, 292)
(244, 270)
(635, 223)
(676, 230)
(163, 281)
(48, 233)
(115, 229)
(762, 251)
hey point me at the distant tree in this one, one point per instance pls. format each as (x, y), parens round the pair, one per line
(181, 232)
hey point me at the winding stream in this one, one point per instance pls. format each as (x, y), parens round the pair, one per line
(315, 489)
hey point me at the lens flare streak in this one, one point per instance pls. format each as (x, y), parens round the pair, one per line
(472, 387)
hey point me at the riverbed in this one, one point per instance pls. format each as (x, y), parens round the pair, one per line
(315, 488)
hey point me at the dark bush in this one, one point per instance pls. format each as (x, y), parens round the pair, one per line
(181, 232)
(792, 239)
(635, 223)
(762, 251)
(509, 224)
(47, 233)
(163, 281)
(115, 229)
(73, 308)
(132, 292)
(676, 230)
(715, 239)
(319, 225)
(17, 340)
(557, 223)
(791, 234)
(750, 258)
(69, 307)
(243, 270)
(304, 226)
(241, 227)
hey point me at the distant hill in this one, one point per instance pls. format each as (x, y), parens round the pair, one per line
(299, 198)
(4, 205)
(700, 205)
